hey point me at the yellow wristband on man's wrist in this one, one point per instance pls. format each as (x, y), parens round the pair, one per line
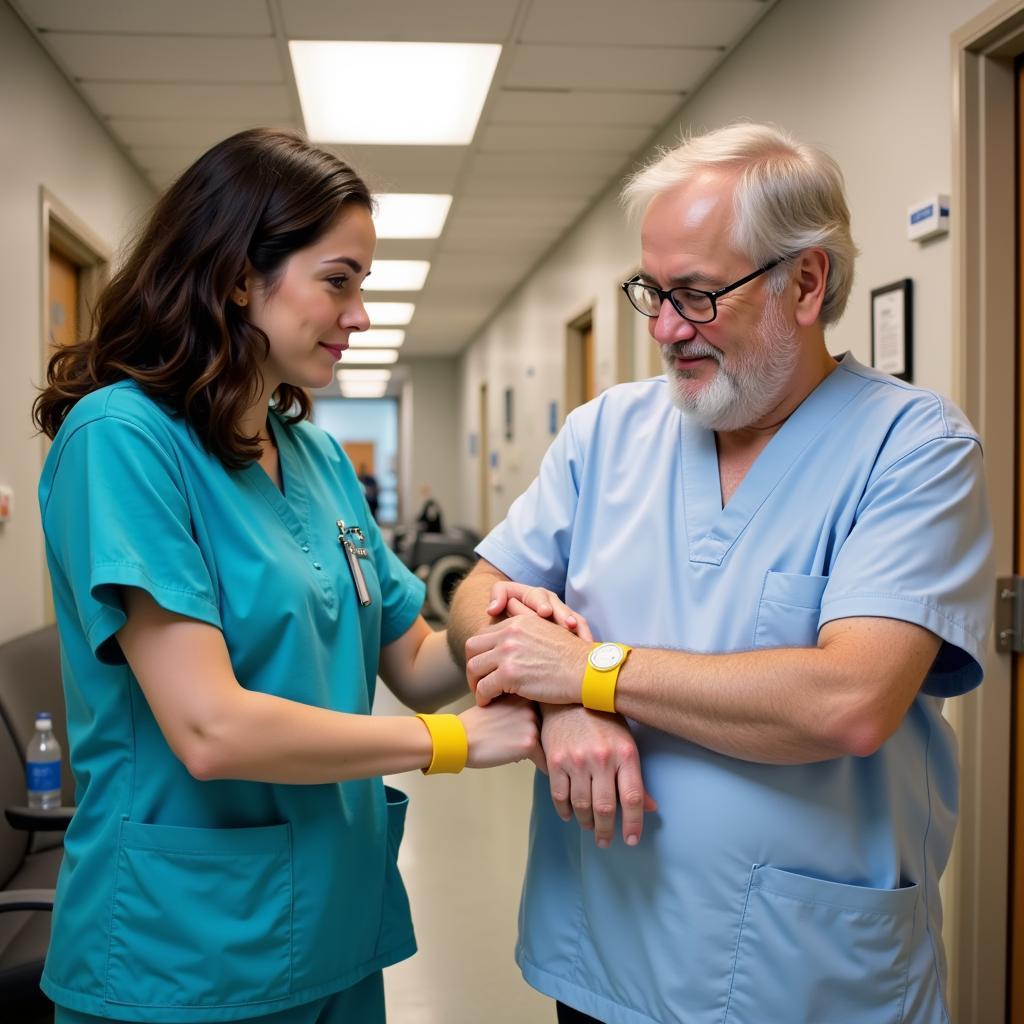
(601, 675)
(451, 745)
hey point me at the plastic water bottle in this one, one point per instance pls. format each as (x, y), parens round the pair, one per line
(42, 765)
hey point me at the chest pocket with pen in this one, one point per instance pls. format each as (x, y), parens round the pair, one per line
(353, 546)
(789, 609)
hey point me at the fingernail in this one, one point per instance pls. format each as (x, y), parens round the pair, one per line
(603, 844)
(632, 840)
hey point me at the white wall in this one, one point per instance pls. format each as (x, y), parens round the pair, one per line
(432, 411)
(870, 81)
(48, 138)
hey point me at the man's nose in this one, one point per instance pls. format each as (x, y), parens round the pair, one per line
(668, 326)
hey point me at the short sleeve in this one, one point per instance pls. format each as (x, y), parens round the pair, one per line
(115, 514)
(532, 545)
(921, 551)
(402, 592)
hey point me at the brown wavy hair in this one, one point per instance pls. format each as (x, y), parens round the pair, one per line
(165, 319)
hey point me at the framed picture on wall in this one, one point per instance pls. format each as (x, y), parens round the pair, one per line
(892, 329)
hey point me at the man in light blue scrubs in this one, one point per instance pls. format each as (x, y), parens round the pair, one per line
(786, 556)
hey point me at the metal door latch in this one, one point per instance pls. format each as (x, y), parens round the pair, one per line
(1010, 615)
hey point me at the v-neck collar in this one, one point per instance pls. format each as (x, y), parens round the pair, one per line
(711, 529)
(291, 505)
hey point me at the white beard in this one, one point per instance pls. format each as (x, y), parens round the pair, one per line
(739, 397)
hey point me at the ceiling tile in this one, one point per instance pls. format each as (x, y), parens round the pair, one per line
(454, 21)
(184, 132)
(626, 68)
(540, 210)
(406, 168)
(641, 23)
(145, 17)
(164, 160)
(547, 106)
(123, 58)
(582, 167)
(270, 103)
(563, 138)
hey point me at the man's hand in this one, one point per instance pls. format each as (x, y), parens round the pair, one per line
(592, 764)
(528, 656)
(513, 598)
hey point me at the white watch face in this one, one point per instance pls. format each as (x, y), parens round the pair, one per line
(606, 657)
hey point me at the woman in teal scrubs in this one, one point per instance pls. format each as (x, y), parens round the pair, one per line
(225, 604)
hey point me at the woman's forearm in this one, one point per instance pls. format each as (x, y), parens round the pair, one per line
(264, 738)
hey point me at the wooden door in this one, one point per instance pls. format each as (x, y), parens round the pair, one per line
(588, 370)
(485, 464)
(64, 300)
(1016, 938)
(362, 455)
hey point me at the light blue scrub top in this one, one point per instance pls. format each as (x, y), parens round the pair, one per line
(181, 900)
(759, 893)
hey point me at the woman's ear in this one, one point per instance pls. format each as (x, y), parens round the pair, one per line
(811, 279)
(240, 293)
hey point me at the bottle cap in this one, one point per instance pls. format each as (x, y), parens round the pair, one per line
(43, 720)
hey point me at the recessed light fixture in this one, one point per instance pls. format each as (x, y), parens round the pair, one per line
(396, 276)
(371, 389)
(425, 94)
(387, 313)
(384, 338)
(410, 214)
(370, 355)
(362, 375)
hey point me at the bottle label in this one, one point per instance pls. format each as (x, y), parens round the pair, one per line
(43, 778)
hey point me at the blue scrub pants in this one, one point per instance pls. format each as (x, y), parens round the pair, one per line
(363, 1003)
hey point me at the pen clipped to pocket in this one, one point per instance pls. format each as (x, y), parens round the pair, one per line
(352, 556)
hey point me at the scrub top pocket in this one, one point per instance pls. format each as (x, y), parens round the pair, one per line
(201, 916)
(396, 921)
(788, 613)
(817, 952)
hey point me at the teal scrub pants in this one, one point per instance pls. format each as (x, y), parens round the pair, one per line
(363, 1003)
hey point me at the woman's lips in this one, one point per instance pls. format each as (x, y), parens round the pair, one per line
(335, 350)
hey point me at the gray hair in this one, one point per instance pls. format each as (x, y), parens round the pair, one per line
(789, 197)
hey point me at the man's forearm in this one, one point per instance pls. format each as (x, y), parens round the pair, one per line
(468, 614)
(784, 705)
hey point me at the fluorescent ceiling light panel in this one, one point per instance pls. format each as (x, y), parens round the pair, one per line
(361, 376)
(371, 389)
(410, 214)
(377, 339)
(373, 356)
(410, 94)
(396, 276)
(388, 313)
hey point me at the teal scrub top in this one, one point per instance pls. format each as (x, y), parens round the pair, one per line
(181, 900)
(759, 893)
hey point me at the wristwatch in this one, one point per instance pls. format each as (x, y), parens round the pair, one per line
(601, 675)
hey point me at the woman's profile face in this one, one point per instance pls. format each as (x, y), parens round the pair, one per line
(316, 304)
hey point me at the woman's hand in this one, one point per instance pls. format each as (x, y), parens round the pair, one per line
(593, 765)
(513, 598)
(503, 732)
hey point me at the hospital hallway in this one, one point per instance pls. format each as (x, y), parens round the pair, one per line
(489, 342)
(462, 861)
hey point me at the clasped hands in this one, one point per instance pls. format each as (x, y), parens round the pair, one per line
(537, 650)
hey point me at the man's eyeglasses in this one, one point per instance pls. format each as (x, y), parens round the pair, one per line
(699, 307)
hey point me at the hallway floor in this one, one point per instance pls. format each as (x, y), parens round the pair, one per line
(462, 859)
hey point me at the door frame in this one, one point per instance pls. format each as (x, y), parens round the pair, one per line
(61, 229)
(984, 341)
(66, 232)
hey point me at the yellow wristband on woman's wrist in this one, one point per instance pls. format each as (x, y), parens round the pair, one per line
(451, 745)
